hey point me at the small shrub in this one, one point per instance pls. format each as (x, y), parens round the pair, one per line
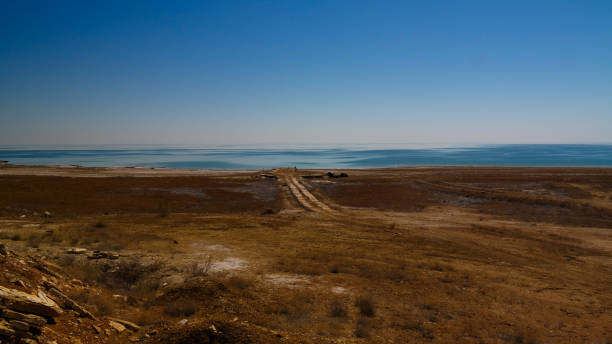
(239, 283)
(128, 273)
(268, 211)
(34, 240)
(338, 309)
(164, 208)
(362, 328)
(99, 224)
(366, 306)
(16, 237)
(180, 308)
(102, 306)
(201, 269)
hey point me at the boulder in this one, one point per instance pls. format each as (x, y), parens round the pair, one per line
(28, 303)
(31, 319)
(116, 326)
(20, 326)
(125, 323)
(5, 329)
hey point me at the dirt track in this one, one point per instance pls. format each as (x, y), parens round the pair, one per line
(304, 197)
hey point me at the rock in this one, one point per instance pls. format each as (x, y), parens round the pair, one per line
(19, 326)
(47, 214)
(76, 250)
(19, 283)
(3, 250)
(97, 329)
(75, 281)
(32, 319)
(71, 304)
(125, 323)
(5, 329)
(28, 303)
(107, 332)
(116, 326)
(28, 341)
(134, 339)
(183, 322)
(120, 297)
(103, 255)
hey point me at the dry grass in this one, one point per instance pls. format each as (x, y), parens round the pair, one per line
(181, 308)
(448, 264)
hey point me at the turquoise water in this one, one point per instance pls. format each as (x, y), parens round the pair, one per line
(345, 156)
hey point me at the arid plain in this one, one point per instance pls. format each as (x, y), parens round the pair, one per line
(396, 255)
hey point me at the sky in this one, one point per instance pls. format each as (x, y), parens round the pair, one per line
(300, 72)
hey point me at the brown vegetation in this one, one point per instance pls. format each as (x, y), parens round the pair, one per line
(440, 255)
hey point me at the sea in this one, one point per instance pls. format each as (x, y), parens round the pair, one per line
(311, 156)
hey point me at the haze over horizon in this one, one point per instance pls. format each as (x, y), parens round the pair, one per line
(305, 72)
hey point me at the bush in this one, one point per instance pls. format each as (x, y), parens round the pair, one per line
(239, 283)
(164, 208)
(181, 308)
(362, 328)
(366, 306)
(338, 309)
(201, 269)
(34, 240)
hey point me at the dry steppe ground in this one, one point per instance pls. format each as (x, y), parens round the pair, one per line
(399, 255)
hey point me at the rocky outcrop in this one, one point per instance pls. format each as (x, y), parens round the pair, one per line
(24, 315)
(28, 303)
(70, 303)
(125, 323)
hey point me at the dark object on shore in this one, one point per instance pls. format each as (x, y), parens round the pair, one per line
(314, 176)
(268, 212)
(269, 176)
(328, 175)
(103, 255)
(332, 175)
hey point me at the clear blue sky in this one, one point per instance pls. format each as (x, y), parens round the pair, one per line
(165, 72)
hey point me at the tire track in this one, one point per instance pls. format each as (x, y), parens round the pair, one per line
(310, 196)
(304, 197)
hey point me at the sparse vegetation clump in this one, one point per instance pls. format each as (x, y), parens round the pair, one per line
(338, 309)
(181, 308)
(164, 208)
(366, 306)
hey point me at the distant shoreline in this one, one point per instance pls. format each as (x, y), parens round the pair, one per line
(8, 169)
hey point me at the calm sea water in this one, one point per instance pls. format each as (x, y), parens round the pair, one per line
(347, 156)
